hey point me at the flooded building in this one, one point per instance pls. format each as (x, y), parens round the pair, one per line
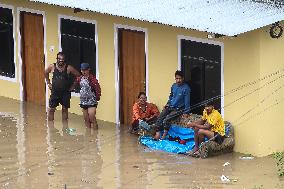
(231, 53)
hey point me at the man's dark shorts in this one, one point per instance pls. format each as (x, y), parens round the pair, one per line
(218, 138)
(85, 107)
(62, 98)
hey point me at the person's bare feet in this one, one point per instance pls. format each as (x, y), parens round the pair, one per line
(157, 135)
(164, 134)
(195, 149)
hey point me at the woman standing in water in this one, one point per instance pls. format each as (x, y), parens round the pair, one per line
(90, 93)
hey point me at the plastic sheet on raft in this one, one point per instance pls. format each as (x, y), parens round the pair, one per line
(172, 143)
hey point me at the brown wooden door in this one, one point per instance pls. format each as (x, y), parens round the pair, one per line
(132, 70)
(33, 57)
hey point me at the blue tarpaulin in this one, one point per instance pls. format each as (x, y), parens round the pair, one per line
(171, 144)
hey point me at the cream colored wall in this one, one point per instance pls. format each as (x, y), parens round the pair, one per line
(247, 58)
(241, 67)
(271, 119)
(255, 58)
(10, 89)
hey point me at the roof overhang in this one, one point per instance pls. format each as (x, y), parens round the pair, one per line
(226, 17)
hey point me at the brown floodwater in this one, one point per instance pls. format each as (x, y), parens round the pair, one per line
(38, 154)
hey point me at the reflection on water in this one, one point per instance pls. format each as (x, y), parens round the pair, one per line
(35, 153)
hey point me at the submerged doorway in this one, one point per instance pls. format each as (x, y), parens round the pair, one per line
(132, 70)
(201, 63)
(32, 54)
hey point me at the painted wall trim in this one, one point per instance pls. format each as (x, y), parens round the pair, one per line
(96, 40)
(15, 44)
(19, 10)
(180, 37)
(116, 27)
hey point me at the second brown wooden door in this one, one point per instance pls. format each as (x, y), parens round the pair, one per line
(33, 57)
(132, 70)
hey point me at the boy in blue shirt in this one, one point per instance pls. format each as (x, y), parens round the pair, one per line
(179, 100)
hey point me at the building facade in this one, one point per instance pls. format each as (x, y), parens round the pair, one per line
(243, 75)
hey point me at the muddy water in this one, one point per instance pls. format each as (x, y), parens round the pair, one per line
(38, 154)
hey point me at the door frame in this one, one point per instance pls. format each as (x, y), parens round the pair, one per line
(116, 70)
(15, 44)
(212, 42)
(96, 40)
(33, 11)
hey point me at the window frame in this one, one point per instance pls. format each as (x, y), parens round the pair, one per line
(14, 39)
(60, 16)
(221, 44)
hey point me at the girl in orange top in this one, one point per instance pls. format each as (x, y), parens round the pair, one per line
(142, 110)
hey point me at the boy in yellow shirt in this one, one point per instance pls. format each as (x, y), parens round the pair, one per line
(211, 125)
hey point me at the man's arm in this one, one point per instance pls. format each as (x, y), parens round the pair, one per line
(47, 71)
(203, 126)
(199, 123)
(73, 71)
(186, 100)
(154, 112)
(170, 97)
